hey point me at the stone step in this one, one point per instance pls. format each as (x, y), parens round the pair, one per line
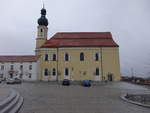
(13, 104)
(8, 99)
(18, 106)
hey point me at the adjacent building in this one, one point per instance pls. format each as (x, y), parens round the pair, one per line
(76, 55)
(23, 67)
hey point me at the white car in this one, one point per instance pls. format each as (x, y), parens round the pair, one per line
(13, 81)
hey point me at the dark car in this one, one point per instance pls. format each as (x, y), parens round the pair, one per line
(86, 83)
(66, 82)
(13, 81)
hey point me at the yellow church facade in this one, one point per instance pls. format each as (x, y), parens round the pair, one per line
(76, 55)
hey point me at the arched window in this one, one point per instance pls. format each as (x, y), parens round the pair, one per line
(41, 30)
(97, 71)
(54, 57)
(81, 56)
(96, 57)
(66, 71)
(66, 57)
(54, 72)
(46, 72)
(46, 57)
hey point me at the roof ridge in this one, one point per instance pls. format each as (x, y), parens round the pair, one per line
(84, 32)
(17, 55)
(85, 38)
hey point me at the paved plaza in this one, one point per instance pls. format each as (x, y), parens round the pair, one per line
(4, 93)
(40, 97)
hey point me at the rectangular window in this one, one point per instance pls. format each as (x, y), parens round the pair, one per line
(21, 67)
(97, 72)
(66, 71)
(30, 67)
(96, 57)
(46, 57)
(21, 75)
(2, 67)
(54, 72)
(81, 56)
(11, 67)
(30, 75)
(54, 57)
(66, 57)
(1, 75)
(46, 72)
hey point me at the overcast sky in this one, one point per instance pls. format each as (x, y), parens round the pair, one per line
(128, 20)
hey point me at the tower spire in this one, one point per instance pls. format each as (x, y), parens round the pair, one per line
(43, 5)
(43, 20)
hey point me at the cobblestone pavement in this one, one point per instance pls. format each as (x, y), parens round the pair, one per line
(47, 98)
(4, 93)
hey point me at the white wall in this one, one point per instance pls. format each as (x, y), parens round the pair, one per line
(17, 71)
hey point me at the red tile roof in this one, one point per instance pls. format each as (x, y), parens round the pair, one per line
(81, 39)
(29, 58)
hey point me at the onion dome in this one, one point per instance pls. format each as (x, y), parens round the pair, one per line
(43, 20)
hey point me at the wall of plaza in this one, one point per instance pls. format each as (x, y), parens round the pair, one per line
(108, 63)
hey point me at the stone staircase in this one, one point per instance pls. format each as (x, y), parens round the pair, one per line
(12, 103)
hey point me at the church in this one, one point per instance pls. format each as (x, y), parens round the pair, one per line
(76, 56)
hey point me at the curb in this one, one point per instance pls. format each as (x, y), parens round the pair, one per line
(133, 102)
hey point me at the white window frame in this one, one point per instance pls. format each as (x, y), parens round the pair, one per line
(55, 72)
(44, 71)
(52, 57)
(45, 56)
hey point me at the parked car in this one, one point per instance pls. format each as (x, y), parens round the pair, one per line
(3, 79)
(66, 82)
(13, 81)
(86, 83)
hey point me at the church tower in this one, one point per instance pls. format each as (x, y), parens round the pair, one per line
(42, 30)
